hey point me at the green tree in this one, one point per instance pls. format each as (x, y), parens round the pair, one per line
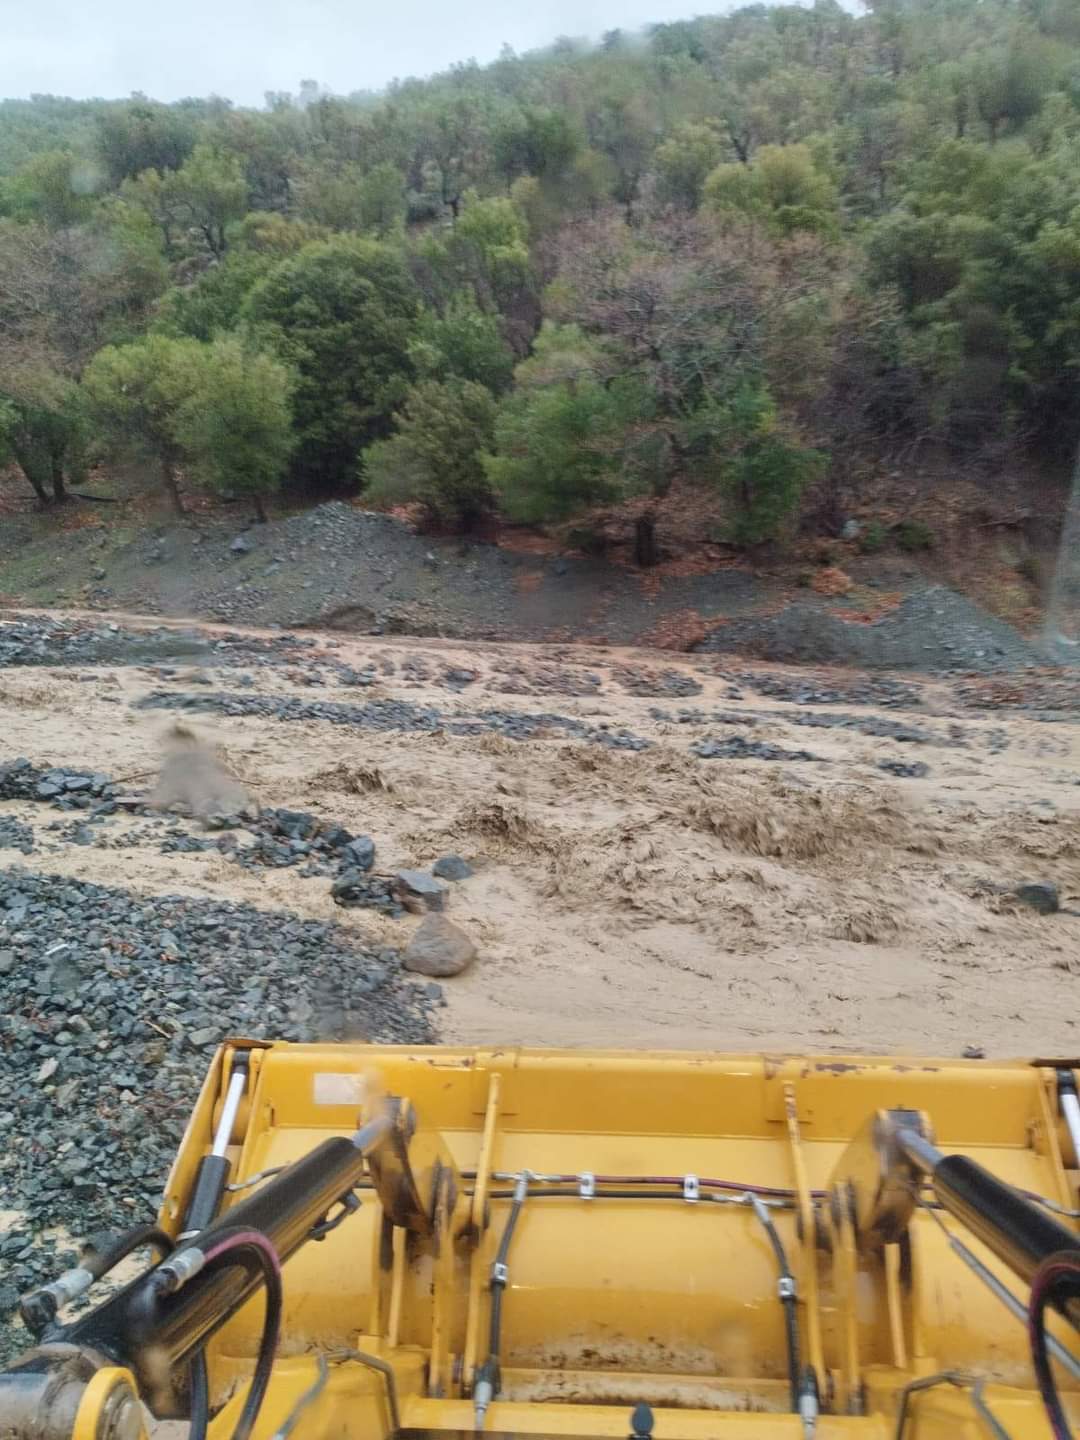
(783, 187)
(235, 427)
(684, 161)
(328, 195)
(435, 454)
(454, 139)
(136, 395)
(205, 196)
(487, 250)
(763, 472)
(208, 193)
(143, 135)
(532, 140)
(43, 431)
(64, 293)
(55, 187)
(1010, 81)
(462, 341)
(382, 204)
(341, 313)
(214, 303)
(561, 436)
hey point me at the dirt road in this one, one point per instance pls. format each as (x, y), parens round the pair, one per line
(634, 896)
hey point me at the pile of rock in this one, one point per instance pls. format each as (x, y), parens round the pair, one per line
(395, 715)
(62, 787)
(737, 747)
(111, 1005)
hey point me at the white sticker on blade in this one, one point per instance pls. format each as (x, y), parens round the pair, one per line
(333, 1089)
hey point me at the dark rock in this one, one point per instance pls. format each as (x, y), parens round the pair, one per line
(293, 824)
(915, 770)
(451, 867)
(737, 747)
(359, 853)
(1040, 895)
(421, 888)
(438, 948)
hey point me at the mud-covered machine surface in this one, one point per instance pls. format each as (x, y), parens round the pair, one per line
(364, 1242)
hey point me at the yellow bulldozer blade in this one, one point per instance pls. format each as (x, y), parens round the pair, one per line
(666, 1226)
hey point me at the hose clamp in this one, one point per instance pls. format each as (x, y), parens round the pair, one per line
(691, 1189)
(500, 1274)
(587, 1185)
(786, 1288)
(181, 1266)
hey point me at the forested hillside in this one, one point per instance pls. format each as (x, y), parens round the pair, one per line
(767, 252)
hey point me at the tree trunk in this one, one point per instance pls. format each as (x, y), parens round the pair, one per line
(60, 494)
(646, 550)
(260, 508)
(172, 485)
(23, 456)
(39, 488)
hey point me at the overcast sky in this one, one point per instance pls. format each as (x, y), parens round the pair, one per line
(242, 48)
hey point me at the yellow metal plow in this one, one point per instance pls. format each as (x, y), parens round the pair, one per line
(362, 1242)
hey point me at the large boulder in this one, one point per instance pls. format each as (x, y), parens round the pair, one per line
(439, 948)
(452, 867)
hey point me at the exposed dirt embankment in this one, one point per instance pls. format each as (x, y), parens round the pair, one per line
(338, 567)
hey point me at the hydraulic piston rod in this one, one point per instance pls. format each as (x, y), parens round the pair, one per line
(154, 1332)
(1017, 1231)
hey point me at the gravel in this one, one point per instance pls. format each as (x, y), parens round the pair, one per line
(111, 1005)
(61, 787)
(879, 726)
(82, 643)
(933, 629)
(737, 747)
(15, 835)
(664, 684)
(392, 715)
(809, 689)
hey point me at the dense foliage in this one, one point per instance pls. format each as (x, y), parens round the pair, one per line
(764, 251)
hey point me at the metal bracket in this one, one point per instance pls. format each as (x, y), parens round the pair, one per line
(691, 1190)
(500, 1274)
(786, 1288)
(587, 1185)
(349, 1203)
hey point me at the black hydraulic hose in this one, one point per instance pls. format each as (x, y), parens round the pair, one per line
(267, 1352)
(1056, 1280)
(787, 1291)
(199, 1412)
(40, 1307)
(232, 1246)
(488, 1379)
(101, 1262)
(497, 1287)
(787, 1287)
